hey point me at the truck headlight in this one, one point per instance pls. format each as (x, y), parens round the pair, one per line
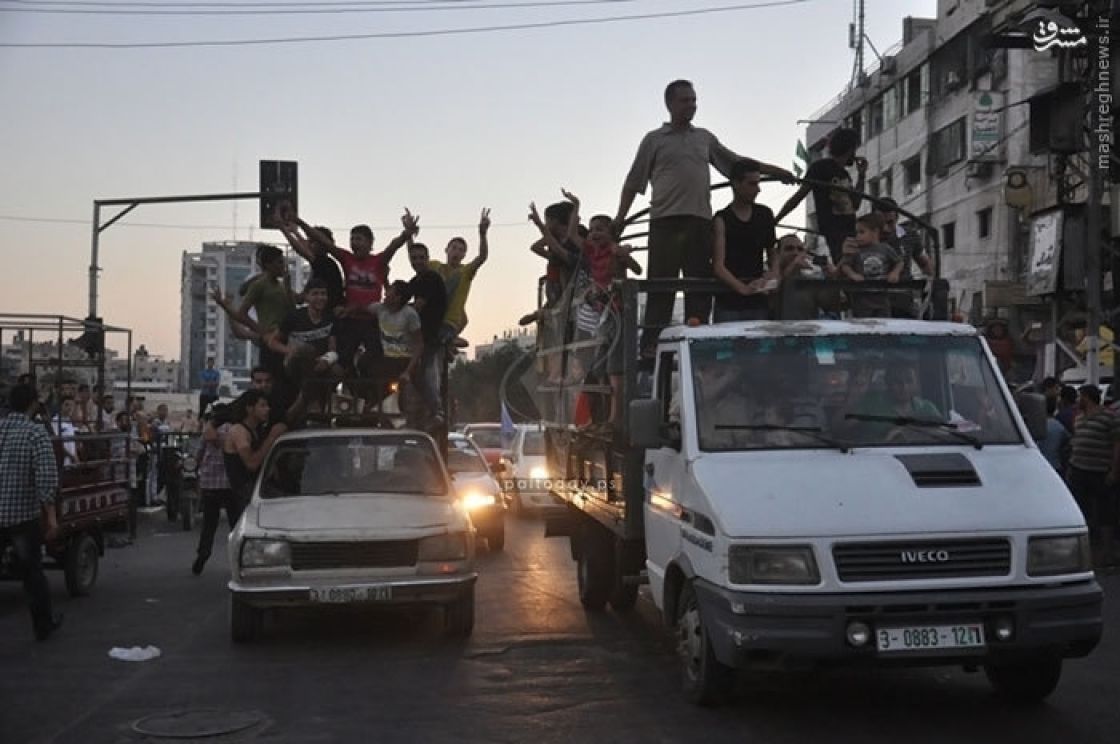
(452, 547)
(265, 553)
(754, 564)
(1063, 554)
(476, 499)
(538, 473)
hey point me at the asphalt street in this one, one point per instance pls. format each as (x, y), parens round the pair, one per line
(538, 669)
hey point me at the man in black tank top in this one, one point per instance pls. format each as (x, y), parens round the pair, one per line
(743, 244)
(243, 451)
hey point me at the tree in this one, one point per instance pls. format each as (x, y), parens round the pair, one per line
(475, 386)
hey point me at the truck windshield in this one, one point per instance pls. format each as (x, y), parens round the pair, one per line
(335, 465)
(845, 391)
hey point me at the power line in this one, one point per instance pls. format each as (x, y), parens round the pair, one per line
(400, 34)
(240, 4)
(86, 222)
(232, 10)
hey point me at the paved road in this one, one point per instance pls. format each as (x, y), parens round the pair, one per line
(538, 669)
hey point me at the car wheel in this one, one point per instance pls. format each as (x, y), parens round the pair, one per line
(595, 568)
(496, 540)
(704, 679)
(81, 565)
(459, 616)
(1025, 682)
(244, 620)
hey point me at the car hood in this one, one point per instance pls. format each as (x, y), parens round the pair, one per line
(871, 492)
(367, 513)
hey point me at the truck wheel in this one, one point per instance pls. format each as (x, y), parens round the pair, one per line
(496, 539)
(244, 620)
(459, 616)
(595, 569)
(704, 679)
(82, 558)
(1025, 682)
(623, 596)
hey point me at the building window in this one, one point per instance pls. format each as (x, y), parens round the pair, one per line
(949, 236)
(912, 173)
(887, 180)
(855, 121)
(912, 91)
(984, 223)
(875, 118)
(873, 187)
(947, 146)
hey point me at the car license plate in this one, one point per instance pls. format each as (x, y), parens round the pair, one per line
(344, 594)
(930, 637)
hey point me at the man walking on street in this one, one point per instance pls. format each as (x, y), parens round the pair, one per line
(28, 483)
(210, 380)
(1094, 465)
(675, 160)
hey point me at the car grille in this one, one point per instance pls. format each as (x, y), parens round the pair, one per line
(891, 561)
(381, 554)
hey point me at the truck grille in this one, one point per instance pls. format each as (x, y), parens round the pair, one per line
(381, 554)
(891, 561)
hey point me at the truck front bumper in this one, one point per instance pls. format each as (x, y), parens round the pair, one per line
(784, 630)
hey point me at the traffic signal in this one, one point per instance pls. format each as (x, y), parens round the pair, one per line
(279, 179)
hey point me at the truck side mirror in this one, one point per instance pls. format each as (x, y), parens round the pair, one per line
(1032, 407)
(646, 431)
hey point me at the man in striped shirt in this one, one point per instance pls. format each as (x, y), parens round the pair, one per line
(28, 482)
(1094, 467)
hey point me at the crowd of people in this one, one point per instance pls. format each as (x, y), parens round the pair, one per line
(350, 321)
(1083, 445)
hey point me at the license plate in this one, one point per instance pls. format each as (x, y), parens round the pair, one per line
(342, 595)
(930, 637)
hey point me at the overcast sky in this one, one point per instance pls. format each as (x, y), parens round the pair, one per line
(442, 124)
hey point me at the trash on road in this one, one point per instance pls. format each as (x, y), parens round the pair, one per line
(135, 653)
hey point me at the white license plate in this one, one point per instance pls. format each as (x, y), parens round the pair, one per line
(930, 637)
(344, 594)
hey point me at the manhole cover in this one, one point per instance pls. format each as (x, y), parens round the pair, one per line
(195, 724)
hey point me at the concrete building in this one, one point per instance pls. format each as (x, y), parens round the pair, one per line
(945, 118)
(205, 331)
(523, 338)
(150, 373)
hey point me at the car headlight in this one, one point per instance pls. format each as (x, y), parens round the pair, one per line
(452, 547)
(1063, 554)
(753, 564)
(538, 473)
(265, 553)
(476, 499)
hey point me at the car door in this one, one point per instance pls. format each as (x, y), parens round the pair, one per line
(664, 474)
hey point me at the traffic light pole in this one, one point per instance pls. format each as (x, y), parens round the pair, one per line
(131, 204)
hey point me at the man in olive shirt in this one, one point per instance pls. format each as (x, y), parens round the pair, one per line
(674, 159)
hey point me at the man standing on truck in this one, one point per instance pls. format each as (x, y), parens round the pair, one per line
(836, 207)
(744, 236)
(28, 483)
(675, 160)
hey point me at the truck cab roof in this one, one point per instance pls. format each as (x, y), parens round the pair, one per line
(779, 328)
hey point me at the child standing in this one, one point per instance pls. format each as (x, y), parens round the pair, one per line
(872, 261)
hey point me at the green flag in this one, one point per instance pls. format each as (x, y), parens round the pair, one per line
(797, 170)
(802, 152)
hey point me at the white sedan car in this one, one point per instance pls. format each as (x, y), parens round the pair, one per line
(357, 517)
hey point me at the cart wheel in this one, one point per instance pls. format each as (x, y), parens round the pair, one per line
(81, 561)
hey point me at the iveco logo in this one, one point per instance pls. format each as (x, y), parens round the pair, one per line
(924, 556)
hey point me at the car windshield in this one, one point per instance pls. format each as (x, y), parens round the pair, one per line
(333, 465)
(533, 444)
(488, 438)
(844, 391)
(464, 457)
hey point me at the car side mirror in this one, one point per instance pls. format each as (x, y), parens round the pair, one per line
(1032, 407)
(647, 431)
